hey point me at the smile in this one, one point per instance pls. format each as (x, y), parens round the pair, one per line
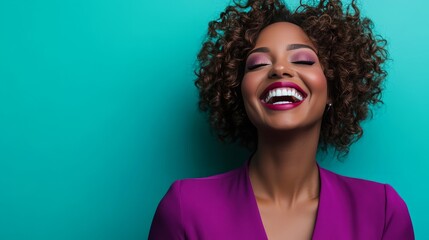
(282, 96)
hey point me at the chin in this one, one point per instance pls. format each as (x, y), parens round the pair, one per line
(288, 124)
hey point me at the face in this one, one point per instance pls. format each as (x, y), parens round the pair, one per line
(284, 86)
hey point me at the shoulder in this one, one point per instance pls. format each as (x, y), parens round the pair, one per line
(210, 183)
(205, 188)
(351, 185)
(365, 199)
(197, 203)
(362, 187)
(196, 194)
(168, 220)
(211, 180)
(362, 191)
(397, 221)
(371, 200)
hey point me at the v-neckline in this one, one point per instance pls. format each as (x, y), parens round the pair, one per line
(255, 207)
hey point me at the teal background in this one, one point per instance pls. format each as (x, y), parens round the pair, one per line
(98, 114)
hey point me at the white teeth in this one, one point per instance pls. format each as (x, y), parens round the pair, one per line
(282, 102)
(283, 92)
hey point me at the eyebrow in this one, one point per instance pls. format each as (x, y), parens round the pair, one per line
(289, 48)
(298, 46)
(261, 49)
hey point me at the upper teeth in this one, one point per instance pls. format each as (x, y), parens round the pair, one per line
(283, 92)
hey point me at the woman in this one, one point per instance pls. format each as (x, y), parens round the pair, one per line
(286, 84)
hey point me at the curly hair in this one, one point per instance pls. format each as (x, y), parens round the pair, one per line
(351, 55)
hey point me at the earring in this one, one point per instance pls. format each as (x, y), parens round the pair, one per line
(329, 106)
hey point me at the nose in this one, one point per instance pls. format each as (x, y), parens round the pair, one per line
(280, 71)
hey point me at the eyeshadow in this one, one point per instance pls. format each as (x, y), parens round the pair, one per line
(303, 56)
(256, 59)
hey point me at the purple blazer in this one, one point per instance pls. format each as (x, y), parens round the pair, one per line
(224, 207)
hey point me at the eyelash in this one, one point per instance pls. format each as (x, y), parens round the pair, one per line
(264, 64)
(256, 66)
(304, 62)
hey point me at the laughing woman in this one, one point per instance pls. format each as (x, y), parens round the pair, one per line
(286, 84)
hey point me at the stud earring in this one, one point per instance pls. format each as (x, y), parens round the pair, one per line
(329, 106)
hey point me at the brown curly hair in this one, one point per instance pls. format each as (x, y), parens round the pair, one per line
(352, 57)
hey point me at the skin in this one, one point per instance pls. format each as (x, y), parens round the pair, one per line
(283, 170)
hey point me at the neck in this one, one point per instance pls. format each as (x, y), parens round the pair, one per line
(284, 168)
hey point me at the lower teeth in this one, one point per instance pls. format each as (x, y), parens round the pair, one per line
(281, 102)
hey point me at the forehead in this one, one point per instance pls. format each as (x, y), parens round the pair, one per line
(282, 34)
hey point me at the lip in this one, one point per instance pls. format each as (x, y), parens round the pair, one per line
(282, 85)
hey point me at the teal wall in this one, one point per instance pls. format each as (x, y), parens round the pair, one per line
(98, 114)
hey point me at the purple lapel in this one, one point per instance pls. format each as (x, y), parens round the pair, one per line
(327, 215)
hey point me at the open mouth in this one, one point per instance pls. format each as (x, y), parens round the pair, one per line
(283, 93)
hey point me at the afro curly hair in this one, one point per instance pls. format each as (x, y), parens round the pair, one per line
(352, 57)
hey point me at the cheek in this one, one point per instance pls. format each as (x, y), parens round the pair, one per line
(248, 88)
(317, 81)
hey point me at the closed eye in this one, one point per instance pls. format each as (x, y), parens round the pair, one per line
(304, 62)
(252, 67)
